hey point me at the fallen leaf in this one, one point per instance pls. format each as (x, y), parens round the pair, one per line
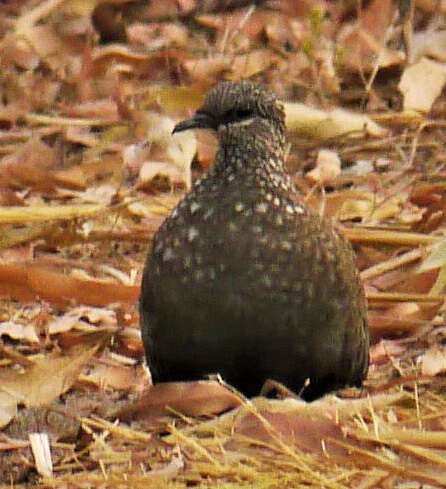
(250, 64)
(328, 167)
(29, 282)
(430, 43)
(311, 427)
(99, 194)
(429, 75)
(433, 361)
(117, 377)
(20, 214)
(200, 398)
(436, 259)
(158, 35)
(19, 331)
(47, 379)
(432, 6)
(385, 349)
(362, 45)
(319, 124)
(75, 319)
(8, 408)
(158, 169)
(30, 165)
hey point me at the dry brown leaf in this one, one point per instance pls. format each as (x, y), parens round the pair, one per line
(49, 377)
(431, 6)
(158, 169)
(319, 124)
(309, 432)
(174, 98)
(8, 408)
(430, 43)
(19, 52)
(22, 214)
(207, 68)
(421, 84)
(310, 426)
(29, 166)
(363, 44)
(27, 283)
(328, 167)
(50, 45)
(200, 398)
(179, 149)
(158, 35)
(104, 109)
(385, 349)
(73, 177)
(118, 377)
(19, 332)
(99, 194)
(81, 135)
(433, 361)
(250, 64)
(436, 259)
(74, 319)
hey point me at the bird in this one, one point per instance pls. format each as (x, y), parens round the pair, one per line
(242, 279)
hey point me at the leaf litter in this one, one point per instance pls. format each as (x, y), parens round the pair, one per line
(88, 171)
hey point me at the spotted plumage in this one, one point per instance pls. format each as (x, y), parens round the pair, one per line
(242, 279)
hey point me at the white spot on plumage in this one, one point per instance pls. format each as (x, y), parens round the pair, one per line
(194, 207)
(289, 209)
(257, 229)
(208, 213)
(266, 280)
(276, 201)
(284, 284)
(192, 233)
(286, 245)
(239, 207)
(232, 227)
(168, 254)
(261, 208)
(158, 247)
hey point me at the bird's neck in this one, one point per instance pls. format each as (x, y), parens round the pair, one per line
(247, 149)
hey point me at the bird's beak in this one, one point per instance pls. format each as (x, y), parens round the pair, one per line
(200, 120)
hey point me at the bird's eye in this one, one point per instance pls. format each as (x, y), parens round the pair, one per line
(241, 114)
(236, 115)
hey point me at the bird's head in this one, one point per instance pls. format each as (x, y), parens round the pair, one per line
(234, 106)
